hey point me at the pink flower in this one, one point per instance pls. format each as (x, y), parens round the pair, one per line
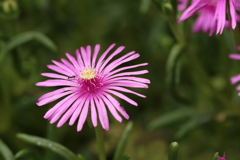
(235, 78)
(90, 86)
(212, 14)
(221, 158)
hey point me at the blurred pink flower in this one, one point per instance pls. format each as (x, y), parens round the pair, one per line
(221, 158)
(212, 14)
(235, 78)
(90, 85)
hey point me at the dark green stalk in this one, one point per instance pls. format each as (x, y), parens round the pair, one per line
(50, 136)
(100, 142)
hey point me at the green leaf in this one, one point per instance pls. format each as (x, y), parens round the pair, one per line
(123, 142)
(171, 117)
(173, 151)
(29, 36)
(26, 37)
(173, 72)
(45, 143)
(29, 152)
(5, 151)
(215, 156)
(144, 5)
(194, 122)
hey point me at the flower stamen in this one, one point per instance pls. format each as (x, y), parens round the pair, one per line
(88, 74)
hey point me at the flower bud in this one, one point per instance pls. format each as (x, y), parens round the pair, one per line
(173, 151)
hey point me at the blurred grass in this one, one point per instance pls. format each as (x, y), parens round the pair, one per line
(139, 26)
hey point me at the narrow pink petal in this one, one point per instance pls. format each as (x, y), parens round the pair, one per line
(125, 68)
(99, 109)
(59, 70)
(57, 107)
(77, 111)
(130, 84)
(118, 50)
(96, 51)
(73, 61)
(86, 57)
(53, 82)
(213, 27)
(235, 79)
(112, 109)
(83, 116)
(69, 65)
(79, 59)
(192, 9)
(93, 113)
(128, 73)
(53, 98)
(88, 49)
(69, 113)
(112, 64)
(234, 56)
(126, 90)
(102, 112)
(220, 15)
(58, 91)
(64, 67)
(137, 79)
(120, 95)
(238, 48)
(182, 4)
(135, 56)
(203, 21)
(63, 108)
(100, 61)
(54, 75)
(117, 105)
(233, 14)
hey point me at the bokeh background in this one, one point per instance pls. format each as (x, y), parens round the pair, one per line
(200, 113)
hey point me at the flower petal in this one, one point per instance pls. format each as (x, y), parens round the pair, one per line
(78, 110)
(120, 95)
(117, 105)
(53, 83)
(58, 91)
(126, 90)
(57, 107)
(100, 61)
(96, 50)
(53, 98)
(112, 109)
(83, 116)
(93, 113)
(69, 113)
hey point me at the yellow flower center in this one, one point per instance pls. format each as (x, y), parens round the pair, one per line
(88, 73)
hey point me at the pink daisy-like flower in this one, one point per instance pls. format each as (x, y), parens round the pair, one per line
(235, 78)
(212, 14)
(221, 158)
(90, 86)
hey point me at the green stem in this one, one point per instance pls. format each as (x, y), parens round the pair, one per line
(178, 35)
(50, 136)
(100, 142)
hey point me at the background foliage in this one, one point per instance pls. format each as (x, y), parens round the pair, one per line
(189, 100)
